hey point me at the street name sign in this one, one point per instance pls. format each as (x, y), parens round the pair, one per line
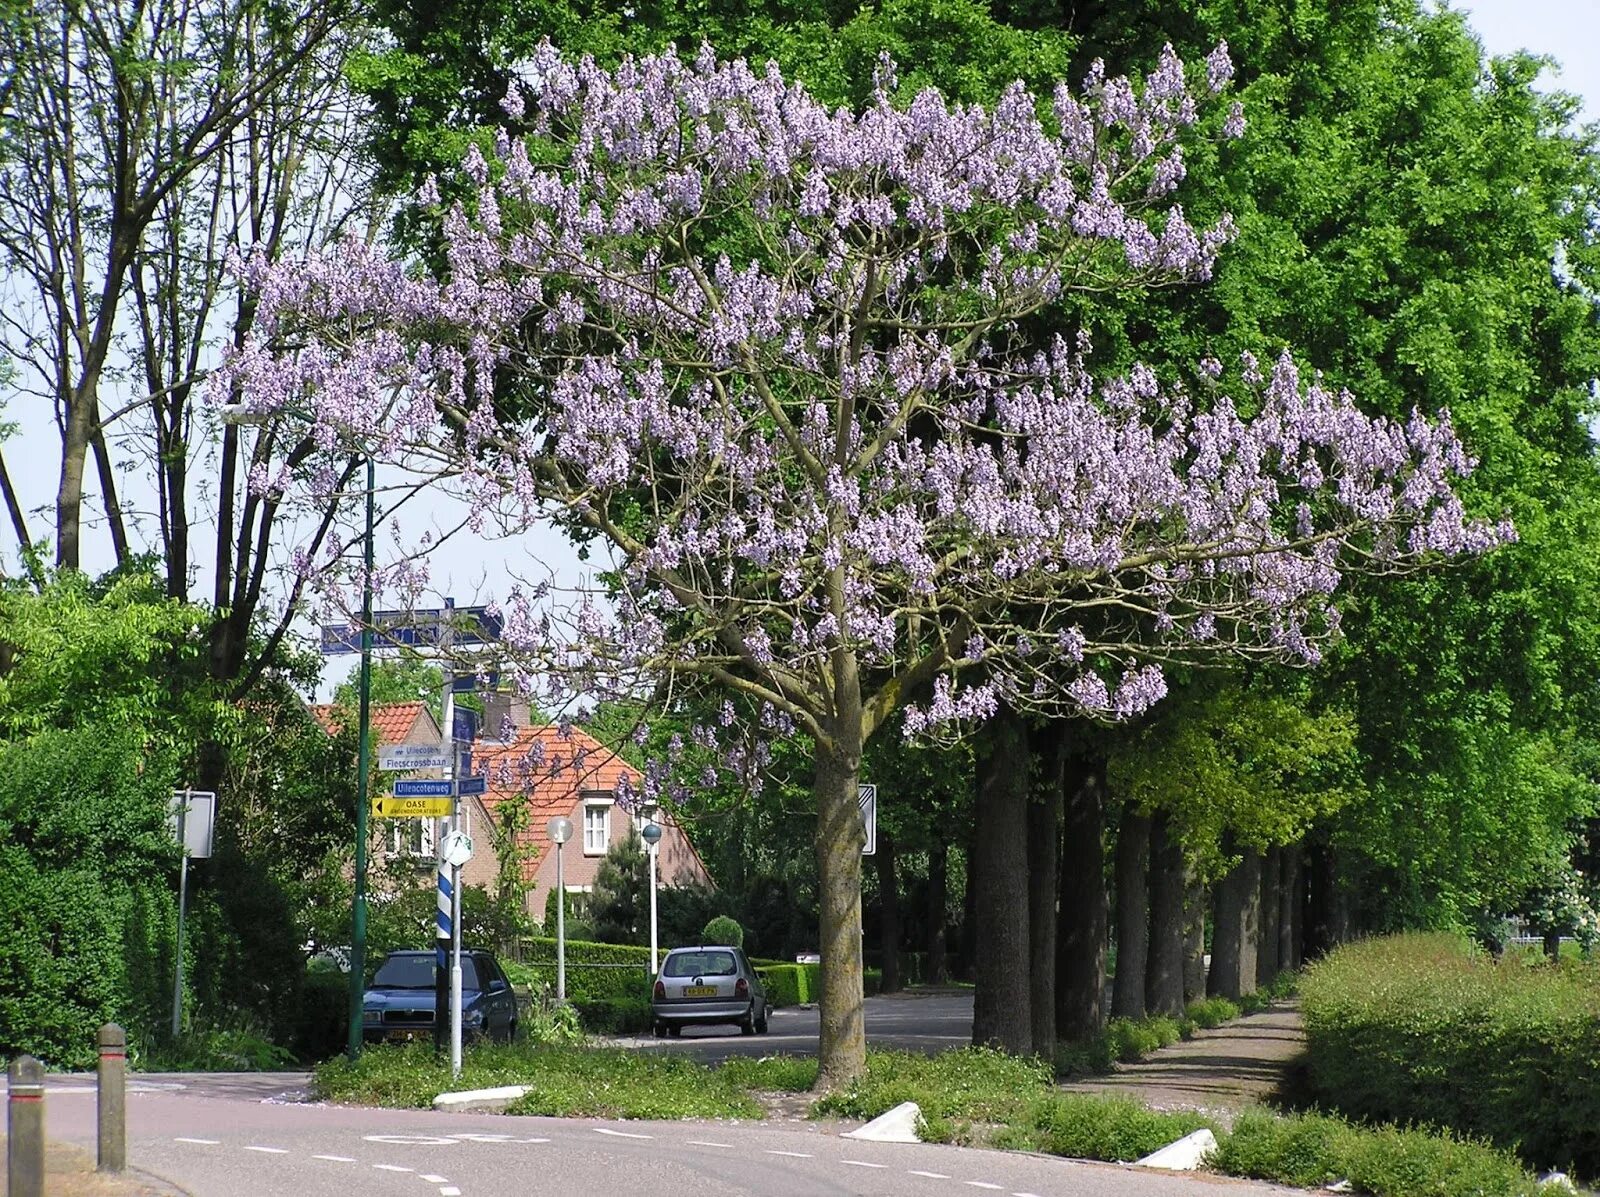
(472, 785)
(421, 788)
(425, 627)
(400, 758)
(394, 807)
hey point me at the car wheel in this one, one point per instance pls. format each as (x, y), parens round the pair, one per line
(675, 1031)
(765, 1024)
(659, 1030)
(748, 1026)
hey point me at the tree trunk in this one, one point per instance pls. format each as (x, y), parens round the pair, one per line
(889, 913)
(1194, 937)
(938, 896)
(1163, 988)
(1081, 929)
(1552, 945)
(1044, 841)
(966, 967)
(1288, 907)
(1001, 1014)
(1133, 917)
(1267, 945)
(842, 1052)
(1233, 956)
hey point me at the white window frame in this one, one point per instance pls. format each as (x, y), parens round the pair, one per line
(413, 838)
(603, 806)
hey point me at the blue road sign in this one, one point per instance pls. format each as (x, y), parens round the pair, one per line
(423, 627)
(424, 789)
(464, 725)
(473, 785)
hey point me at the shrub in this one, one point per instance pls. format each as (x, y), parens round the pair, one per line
(1425, 1028)
(1096, 1128)
(791, 984)
(1311, 1151)
(594, 970)
(323, 1023)
(725, 930)
(614, 1016)
(972, 1083)
(1212, 1012)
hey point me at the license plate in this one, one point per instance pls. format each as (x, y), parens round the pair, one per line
(699, 991)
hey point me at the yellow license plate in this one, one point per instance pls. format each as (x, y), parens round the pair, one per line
(699, 991)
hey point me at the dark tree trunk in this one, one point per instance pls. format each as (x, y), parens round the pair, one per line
(1267, 946)
(1044, 841)
(1194, 937)
(1001, 1014)
(1081, 930)
(1552, 945)
(888, 913)
(1133, 916)
(966, 959)
(1233, 961)
(1289, 908)
(1163, 989)
(840, 836)
(938, 895)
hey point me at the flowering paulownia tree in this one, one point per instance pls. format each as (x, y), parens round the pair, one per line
(798, 369)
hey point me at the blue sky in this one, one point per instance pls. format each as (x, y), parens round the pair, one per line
(1568, 30)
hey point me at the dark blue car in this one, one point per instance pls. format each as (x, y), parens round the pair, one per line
(399, 1002)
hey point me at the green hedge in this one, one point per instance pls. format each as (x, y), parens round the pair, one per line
(585, 982)
(614, 1016)
(1424, 1028)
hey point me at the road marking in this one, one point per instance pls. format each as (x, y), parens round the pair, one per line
(799, 1155)
(603, 1130)
(983, 1184)
(337, 1159)
(206, 1142)
(270, 1150)
(1024, 1195)
(437, 1180)
(450, 1192)
(930, 1175)
(707, 1143)
(862, 1164)
(392, 1168)
(415, 1140)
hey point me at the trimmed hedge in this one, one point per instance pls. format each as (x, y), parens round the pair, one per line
(614, 1016)
(585, 981)
(1425, 1028)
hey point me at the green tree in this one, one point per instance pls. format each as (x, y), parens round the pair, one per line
(618, 908)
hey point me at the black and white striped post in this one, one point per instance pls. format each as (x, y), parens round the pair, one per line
(25, 1128)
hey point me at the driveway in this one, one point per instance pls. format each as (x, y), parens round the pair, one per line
(918, 1020)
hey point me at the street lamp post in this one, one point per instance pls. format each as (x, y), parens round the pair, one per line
(240, 415)
(652, 838)
(560, 831)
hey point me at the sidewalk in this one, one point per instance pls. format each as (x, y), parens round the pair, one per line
(1218, 1072)
(69, 1172)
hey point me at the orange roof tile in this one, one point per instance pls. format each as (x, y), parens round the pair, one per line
(391, 721)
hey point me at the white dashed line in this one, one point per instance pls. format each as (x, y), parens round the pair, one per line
(204, 1142)
(707, 1143)
(337, 1159)
(392, 1168)
(1024, 1195)
(983, 1184)
(270, 1150)
(799, 1155)
(862, 1164)
(929, 1175)
(450, 1192)
(437, 1180)
(603, 1130)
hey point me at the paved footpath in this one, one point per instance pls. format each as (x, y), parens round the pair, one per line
(1219, 1071)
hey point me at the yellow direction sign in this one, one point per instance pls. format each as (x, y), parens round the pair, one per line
(390, 807)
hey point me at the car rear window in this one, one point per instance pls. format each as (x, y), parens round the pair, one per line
(700, 964)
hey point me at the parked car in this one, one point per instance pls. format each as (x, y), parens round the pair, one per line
(399, 1002)
(706, 985)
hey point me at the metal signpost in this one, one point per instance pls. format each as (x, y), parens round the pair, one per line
(560, 831)
(192, 818)
(652, 839)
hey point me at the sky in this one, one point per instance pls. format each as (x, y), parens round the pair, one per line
(1567, 30)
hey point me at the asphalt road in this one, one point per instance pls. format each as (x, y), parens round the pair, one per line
(229, 1136)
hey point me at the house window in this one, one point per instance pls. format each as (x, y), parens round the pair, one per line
(596, 827)
(412, 837)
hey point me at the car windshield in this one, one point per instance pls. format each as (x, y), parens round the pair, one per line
(415, 971)
(700, 964)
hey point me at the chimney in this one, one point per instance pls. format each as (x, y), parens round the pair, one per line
(499, 707)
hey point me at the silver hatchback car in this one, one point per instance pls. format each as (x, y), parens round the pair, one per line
(706, 985)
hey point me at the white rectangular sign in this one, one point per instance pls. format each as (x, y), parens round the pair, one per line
(195, 820)
(868, 797)
(401, 758)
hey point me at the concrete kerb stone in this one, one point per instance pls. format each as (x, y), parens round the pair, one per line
(898, 1125)
(1184, 1155)
(491, 1101)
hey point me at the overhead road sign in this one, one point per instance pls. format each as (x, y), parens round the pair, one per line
(399, 758)
(392, 806)
(424, 788)
(423, 627)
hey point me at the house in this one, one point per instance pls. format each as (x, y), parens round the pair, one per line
(550, 770)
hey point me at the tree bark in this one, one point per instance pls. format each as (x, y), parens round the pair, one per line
(938, 896)
(967, 954)
(1081, 929)
(1133, 917)
(1288, 906)
(842, 1051)
(1044, 840)
(1267, 944)
(888, 913)
(1233, 957)
(1001, 1014)
(1194, 936)
(1163, 989)
(1552, 945)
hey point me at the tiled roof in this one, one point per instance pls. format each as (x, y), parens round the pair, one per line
(551, 773)
(391, 721)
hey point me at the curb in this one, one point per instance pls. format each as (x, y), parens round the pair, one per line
(493, 1101)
